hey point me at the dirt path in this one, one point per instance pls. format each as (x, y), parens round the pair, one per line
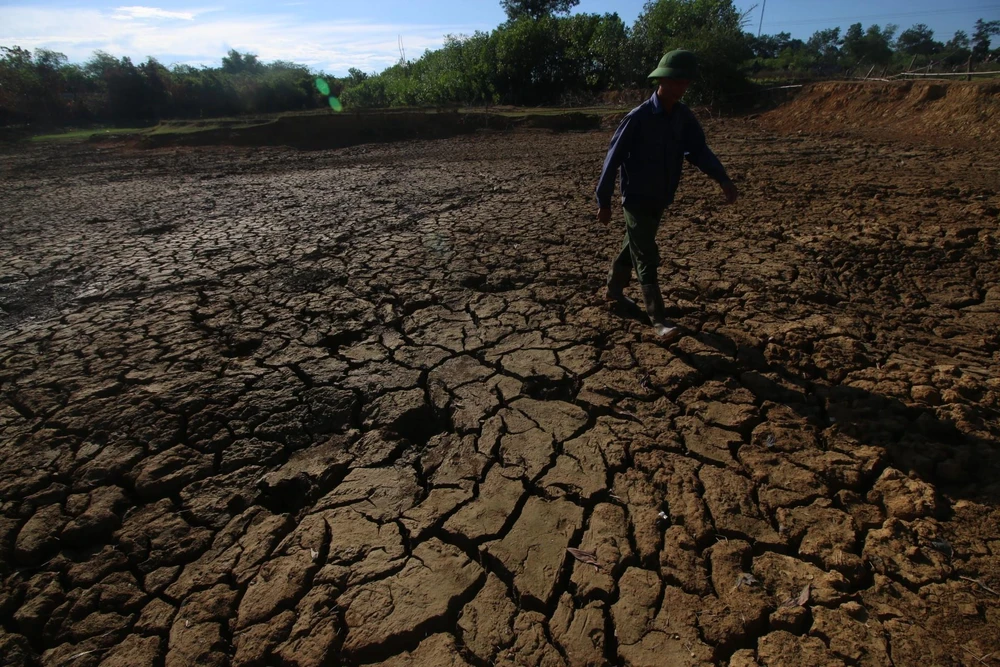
(267, 407)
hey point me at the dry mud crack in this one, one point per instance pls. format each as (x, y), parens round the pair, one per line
(263, 407)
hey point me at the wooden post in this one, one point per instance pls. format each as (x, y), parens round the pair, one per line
(869, 72)
(854, 70)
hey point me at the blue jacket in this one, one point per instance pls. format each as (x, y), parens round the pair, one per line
(649, 148)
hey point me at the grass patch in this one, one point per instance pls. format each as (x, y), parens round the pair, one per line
(522, 112)
(182, 129)
(236, 123)
(193, 127)
(166, 127)
(366, 124)
(84, 135)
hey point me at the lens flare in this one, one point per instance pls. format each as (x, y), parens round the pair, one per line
(322, 86)
(335, 104)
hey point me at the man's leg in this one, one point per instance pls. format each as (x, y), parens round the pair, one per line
(620, 273)
(640, 232)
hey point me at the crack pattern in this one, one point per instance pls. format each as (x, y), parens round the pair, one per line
(263, 407)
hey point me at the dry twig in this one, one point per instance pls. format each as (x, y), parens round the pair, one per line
(978, 659)
(83, 653)
(981, 584)
(584, 557)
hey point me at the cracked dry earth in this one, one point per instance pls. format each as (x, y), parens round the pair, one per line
(268, 407)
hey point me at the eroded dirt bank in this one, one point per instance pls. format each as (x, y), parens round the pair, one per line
(263, 407)
(962, 113)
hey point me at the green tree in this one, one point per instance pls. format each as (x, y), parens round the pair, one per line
(49, 69)
(529, 55)
(596, 50)
(713, 29)
(121, 88)
(780, 53)
(871, 46)
(355, 76)
(981, 38)
(918, 41)
(957, 50)
(854, 43)
(45, 87)
(536, 9)
(826, 44)
(609, 46)
(448, 76)
(959, 41)
(475, 58)
(369, 93)
(240, 63)
(21, 92)
(280, 86)
(880, 42)
(769, 46)
(157, 89)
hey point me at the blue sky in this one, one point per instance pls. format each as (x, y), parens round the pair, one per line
(334, 36)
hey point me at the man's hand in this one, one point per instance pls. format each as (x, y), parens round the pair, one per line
(604, 215)
(729, 189)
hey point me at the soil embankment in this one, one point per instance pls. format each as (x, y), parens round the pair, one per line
(951, 112)
(319, 132)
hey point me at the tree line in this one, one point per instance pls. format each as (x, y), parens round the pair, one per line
(43, 87)
(877, 46)
(541, 55)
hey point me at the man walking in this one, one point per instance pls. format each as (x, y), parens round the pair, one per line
(649, 148)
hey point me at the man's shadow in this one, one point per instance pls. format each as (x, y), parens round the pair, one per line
(917, 439)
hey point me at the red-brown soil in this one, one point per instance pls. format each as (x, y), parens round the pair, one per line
(269, 407)
(960, 113)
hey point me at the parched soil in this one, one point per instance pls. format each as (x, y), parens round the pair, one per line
(268, 407)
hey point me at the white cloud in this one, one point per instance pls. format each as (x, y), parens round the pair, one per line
(150, 13)
(330, 45)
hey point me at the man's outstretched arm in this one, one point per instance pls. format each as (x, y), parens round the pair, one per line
(700, 155)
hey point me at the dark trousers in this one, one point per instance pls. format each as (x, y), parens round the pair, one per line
(639, 246)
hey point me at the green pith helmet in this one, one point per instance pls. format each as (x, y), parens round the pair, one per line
(678, 64)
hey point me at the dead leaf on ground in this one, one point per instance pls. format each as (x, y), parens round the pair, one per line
(745, 579)
(584, 557)
(798, 601)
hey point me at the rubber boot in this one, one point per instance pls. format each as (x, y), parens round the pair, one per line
(654, 308)
(618, 278)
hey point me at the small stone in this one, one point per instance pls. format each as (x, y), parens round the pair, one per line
(968, 609)
(925, 394)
